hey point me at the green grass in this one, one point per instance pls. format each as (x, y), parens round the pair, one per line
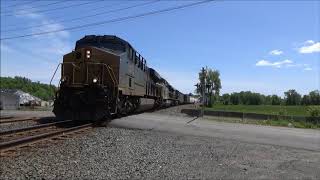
(264, 109)
(284, 123)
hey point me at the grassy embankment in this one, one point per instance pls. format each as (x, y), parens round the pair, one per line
(267, 109)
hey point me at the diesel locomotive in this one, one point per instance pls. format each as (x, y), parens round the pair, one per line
(106, 76)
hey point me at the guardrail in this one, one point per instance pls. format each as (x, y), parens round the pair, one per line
(254, 116)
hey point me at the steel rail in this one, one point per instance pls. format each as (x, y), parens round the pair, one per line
(30, 139)
(33, 127)
(12, 120)
(6, 117)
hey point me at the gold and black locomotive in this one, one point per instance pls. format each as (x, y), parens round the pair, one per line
(106, 76)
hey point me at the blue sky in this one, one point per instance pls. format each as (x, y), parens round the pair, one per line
(262, 46)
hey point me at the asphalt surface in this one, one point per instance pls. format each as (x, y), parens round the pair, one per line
(308, 139)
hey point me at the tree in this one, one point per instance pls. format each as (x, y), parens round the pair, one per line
(200, 85)
(292, 97)
(201, 82)
(225, 98)
(214, 84)
(275, 100)
(305, 100)
(267, 100)
(43, 91)
(235, 98)
(314, 97)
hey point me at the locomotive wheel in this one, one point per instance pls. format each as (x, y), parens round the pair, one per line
(127, 105)
(121, 106)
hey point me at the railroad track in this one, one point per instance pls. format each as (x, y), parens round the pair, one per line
(11, 140)
(6, 120)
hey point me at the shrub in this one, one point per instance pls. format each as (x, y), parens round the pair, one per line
(314, 111)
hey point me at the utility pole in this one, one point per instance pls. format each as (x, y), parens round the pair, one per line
(203, 86)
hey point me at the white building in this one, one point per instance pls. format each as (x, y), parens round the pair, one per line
(13, 99)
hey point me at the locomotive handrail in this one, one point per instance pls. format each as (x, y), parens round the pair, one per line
(113, 80)
(109, 69)
(113, 74)
(54, 74)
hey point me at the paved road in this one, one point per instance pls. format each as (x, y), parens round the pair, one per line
(291, 137)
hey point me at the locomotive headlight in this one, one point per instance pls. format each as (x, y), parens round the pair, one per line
(88, 54)
(94, 80)
(63, 79)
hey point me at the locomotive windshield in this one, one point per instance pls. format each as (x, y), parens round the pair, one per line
(102, 42)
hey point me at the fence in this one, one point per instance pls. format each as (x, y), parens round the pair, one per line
(253, 116)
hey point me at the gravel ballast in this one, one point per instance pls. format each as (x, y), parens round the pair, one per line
(114, 153)
(120, 153)
(16, 125)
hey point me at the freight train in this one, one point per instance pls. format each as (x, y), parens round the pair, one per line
(106, 76)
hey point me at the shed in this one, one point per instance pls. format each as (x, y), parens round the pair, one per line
(8, 100)
(13, 99)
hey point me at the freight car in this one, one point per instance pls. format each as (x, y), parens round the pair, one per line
(106, 76)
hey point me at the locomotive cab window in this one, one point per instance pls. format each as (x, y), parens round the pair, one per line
(136, 58)
(139, 61)
(142, 63)
(130, 53)
(130, 82)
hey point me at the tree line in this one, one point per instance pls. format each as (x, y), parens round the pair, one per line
(40, 90)
(291, 97)
(210, 84)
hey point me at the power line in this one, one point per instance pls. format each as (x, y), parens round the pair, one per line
(99, 7)
(53, 9)
(41, 5)
(20, 4)
(84, 17)
(29, 52)
(109, 21)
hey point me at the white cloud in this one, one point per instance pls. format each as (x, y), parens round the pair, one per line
(277, 64)
(51, 44)
(50, 26)
(276, 52)
(285, 63)
(24, 12)
(56, 43)
(45, 52)
(309, 42)
(309, 47)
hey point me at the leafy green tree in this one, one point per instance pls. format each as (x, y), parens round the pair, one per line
(43, 91)
(267, 100)
(201, 82)
(235, 98)
(275, 100)
(214, 84)
(292, 97)
(314, 97)
(305, 100)
(225, 98)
